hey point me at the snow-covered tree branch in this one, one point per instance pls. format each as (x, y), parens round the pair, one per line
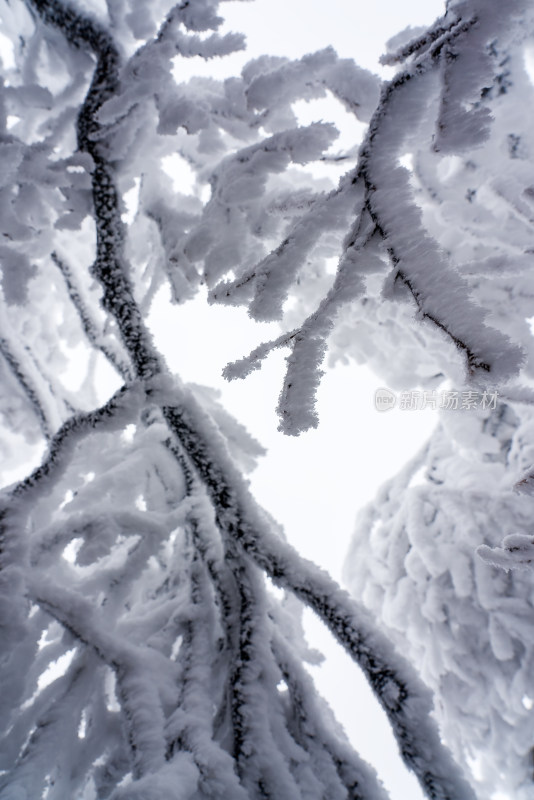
(144, 653)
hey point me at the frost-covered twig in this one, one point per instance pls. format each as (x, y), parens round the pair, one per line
(90, 327)
(332, 758)
(57, 712)
(189, 726)
(133, 668)
(419, 266)
(38, 404)
(267, 283)
(516, 552)
(419, 44)
(112, 415)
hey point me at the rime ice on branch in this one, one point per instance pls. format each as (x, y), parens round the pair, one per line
(133, 560)
(438, 108)
(442, 555)
(464, 620)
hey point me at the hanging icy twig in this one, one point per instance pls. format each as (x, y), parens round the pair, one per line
(308, 343)
(112, 415)
(243, 367)
(332, 758)
(267, 283)
(189, 725)
(419, 44)
(57, 711)
(516, 552)
(144, 718)
(40, 389)
(38, 404)
(90, 327)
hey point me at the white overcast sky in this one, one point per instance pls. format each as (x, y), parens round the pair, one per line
(313, 484)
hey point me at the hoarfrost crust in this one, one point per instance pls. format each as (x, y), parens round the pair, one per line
(133, 558)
